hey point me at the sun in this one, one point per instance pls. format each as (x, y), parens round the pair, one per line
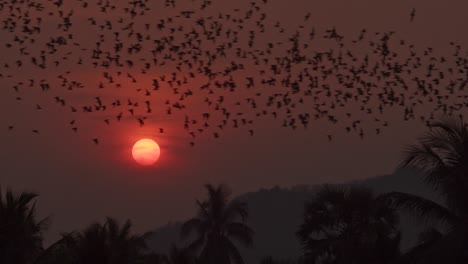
(146, 152)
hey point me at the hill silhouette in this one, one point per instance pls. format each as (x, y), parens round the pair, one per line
(275, 214)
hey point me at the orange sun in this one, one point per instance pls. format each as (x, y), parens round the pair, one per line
(146, 152)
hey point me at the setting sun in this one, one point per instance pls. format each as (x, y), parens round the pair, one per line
(146, 152)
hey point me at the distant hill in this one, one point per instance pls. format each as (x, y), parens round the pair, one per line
(276, 213)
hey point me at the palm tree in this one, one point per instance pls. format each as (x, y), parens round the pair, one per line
(442, 155)
(20, 231)
(349, 225)
(219, 222)
(60, 252)
(108, 243)
(94, 245)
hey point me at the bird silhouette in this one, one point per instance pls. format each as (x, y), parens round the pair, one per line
(413, 14)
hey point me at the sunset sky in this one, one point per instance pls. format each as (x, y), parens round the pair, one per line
(80, 182)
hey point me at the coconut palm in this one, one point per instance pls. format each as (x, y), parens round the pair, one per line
(349, 225)
(218, 223)
(442, 156)
(108, 243)
(20, 230)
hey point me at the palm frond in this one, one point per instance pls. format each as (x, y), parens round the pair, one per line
(240, 232)
(233, 252)
(197, 244)
(447, 248)
(429, 235)
(235, 209)
(429, 212)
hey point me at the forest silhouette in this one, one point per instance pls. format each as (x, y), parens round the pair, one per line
(340, 224)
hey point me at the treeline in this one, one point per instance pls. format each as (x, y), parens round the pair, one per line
(340, 225)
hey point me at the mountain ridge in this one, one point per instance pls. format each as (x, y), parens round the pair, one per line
(275, 213)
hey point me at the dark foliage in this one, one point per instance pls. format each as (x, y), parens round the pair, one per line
(442, 155)
(20, 230)
(349, 225)
(218, 223)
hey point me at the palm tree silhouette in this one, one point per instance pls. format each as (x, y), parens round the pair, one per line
(442, 155)
(349, 225)
(60, 252)
(108, 243)
(20, 231)
(219, 222)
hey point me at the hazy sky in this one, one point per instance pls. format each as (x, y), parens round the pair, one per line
(79, 182)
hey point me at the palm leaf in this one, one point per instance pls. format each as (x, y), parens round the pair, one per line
(425, 210)
(241, 232)
(233, 252)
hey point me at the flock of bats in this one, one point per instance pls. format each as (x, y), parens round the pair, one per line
(240, 66)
